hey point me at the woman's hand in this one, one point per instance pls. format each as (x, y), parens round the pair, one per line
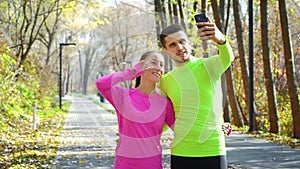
(149, 65)
(227, 128)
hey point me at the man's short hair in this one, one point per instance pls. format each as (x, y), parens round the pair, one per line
(168, 31)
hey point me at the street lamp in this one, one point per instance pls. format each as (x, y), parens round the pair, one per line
(251, 71)
(61, 45)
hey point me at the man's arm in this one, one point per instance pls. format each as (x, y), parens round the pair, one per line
(210, 31)
(225, 54)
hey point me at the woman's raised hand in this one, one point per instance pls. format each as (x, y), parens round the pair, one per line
(149, 65)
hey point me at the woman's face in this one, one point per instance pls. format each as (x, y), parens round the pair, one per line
(154, 67)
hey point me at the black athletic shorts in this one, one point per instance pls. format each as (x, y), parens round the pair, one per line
(214, 162)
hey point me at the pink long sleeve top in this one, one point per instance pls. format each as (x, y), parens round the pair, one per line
(141, 118)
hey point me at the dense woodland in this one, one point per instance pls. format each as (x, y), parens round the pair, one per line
(111, 36)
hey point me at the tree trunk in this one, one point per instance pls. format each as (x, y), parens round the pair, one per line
(203, 6)
(175, 12)
(170, 11)
(217, 14)
(204, 43)
(158, 18)
(241, 51)
(68, 79)
(86, 74)
(181, 13)
(269, 82)
(289, 62)
(80, 71)
(227, 18)
(222, 10)
(160, 24)
(236, 112)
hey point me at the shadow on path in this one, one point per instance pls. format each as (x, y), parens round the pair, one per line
(248, 152)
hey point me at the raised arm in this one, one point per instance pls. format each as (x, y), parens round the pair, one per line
(225, 54)
(222, 61)
(108, 87)
(210, 31)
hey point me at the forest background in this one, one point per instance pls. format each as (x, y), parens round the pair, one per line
(111, 35)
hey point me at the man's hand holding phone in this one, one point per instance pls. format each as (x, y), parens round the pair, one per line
(210, 30)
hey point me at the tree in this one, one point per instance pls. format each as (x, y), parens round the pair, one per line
(49, 30)
(81, 25)
(236, 112)
(269, 82)
(161, 22)
(127, 36)
(241, 51)
(26, 20)
(290, 71)
(204, 43)
(88, 59)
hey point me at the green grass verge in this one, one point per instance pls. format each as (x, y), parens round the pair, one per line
(28, 148)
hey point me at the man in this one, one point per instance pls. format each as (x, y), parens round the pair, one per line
(194, 88)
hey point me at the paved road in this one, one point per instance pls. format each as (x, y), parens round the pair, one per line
(260, 154)
(88, 141)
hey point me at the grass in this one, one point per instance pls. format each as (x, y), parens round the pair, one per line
(28, 148)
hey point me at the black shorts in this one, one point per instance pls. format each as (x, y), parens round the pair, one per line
(214, 162)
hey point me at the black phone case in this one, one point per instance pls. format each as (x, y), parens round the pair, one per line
(200, 18)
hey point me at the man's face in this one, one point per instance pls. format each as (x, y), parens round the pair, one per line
(177, 47)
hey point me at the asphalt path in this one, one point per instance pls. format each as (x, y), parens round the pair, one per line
(249, 152)
(89, 137)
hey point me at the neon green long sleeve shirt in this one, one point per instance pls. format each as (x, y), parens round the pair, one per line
(196, 93)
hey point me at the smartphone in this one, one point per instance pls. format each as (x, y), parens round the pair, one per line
(201, 17)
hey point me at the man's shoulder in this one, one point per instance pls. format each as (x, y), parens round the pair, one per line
(169, 77)
(166, 76)
(195, 62)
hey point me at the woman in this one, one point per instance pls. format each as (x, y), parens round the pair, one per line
(141, 113)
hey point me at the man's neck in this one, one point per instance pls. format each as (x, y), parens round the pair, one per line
(178, 64)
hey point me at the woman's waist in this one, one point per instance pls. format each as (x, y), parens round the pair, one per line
(138, 147)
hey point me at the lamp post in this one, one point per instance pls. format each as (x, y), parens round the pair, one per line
(61, 45)
(251, 71)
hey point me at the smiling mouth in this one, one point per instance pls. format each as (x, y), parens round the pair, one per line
(158, 74)
(181, 54)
